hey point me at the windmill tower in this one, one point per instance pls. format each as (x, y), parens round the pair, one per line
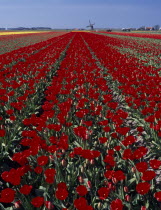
(91, 25)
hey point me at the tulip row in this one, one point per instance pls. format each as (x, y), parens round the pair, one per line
(139, 84)
(141, 35)
(11, 58)
(23, 88)
(15, 41)
(147, 51)
(118, 67)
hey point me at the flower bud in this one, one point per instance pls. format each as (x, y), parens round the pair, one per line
(92, 162)
(64, 163)
(63, 151)
(125, 189)
(82, 169)
(51, 157)
(127, 197)
(49, 205)
(80, 179)
(45, 130)
(114, 180)
(109, 185)
(89, 184)
(105, 144)
(99, 205)
(17, 204)
(133, 169)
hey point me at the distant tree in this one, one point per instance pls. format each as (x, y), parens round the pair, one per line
(156, 27)
(142, 28)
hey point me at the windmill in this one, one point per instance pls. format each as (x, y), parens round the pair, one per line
(91, 25)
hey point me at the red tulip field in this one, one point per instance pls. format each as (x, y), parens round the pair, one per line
(80, 121)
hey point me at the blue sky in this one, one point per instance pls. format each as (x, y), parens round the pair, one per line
(76, 13)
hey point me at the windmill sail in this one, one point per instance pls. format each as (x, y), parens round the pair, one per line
(91, 25)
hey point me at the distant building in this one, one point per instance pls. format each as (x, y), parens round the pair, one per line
(126, 29)
(149, 28)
